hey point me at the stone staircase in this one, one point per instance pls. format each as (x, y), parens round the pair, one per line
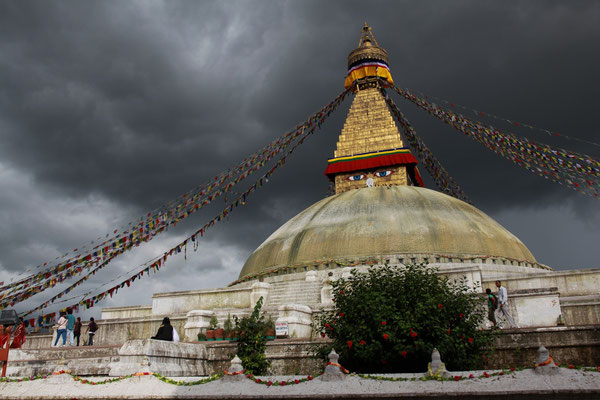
(294, 292)
(82, 360)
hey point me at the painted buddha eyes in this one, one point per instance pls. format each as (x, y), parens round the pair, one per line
(356, 177)
(381, 174)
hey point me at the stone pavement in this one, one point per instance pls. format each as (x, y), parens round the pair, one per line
(571, 384)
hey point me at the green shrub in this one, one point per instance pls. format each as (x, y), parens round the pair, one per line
(228, 325)
(389, 319)
(213, 323)
(252, 342)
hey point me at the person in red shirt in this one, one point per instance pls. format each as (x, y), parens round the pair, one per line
(19, 337)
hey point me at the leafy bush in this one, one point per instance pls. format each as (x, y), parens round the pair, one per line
(389, 319)
(252, 342)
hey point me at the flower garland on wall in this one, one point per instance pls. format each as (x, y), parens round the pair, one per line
(278, 383)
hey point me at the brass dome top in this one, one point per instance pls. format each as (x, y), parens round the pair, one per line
(367, 49)
(379, 221)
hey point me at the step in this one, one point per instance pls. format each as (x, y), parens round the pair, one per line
(92, 360)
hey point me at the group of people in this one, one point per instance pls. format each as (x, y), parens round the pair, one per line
(499, 303)
(69, 327)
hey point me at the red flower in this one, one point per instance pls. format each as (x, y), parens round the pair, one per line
(282, 383)
(310, 378)
(486, 374)
(457, 378)
(460, 315)
(571, 366)
(413, 334)
(448, 331)
(269, 383)
(440, 306)
(341, 314)
(296, 381)
(512, 369)
(386, 336)
(326, 325)
(470, 340)
(362, 343)
(322, 335)
(349, 344)
(341, 291)
(383, 323)
(471, 376)
(257, 380)
(501, 373)
(404, 353)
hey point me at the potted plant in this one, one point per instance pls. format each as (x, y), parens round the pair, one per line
(270, 329)
(212, 326)
(219, 333)
(228, 325)
(201, 337)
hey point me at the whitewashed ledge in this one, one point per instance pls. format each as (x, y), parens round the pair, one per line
(166, 358)
(567, 384)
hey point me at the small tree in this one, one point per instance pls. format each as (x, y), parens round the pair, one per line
(213, 323)
(389, 319)
(228, 325)
(252, 342)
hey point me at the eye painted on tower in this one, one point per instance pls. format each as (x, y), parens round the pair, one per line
(356, 177)
(381, 174)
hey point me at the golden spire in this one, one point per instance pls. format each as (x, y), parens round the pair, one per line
(367, 36)
(370, 150)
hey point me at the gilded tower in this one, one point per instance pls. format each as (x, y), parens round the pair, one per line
(370, 150)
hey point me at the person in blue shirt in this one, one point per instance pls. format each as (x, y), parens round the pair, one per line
(70, 326)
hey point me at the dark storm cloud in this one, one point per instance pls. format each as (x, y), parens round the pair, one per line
(109, 109)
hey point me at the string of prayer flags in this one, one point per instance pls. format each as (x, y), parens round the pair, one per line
(440, 176)
(479, 113)
(577, 171)
(239, 200)
(176, 211)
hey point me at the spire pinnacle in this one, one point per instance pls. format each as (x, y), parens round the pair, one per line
(366, 38)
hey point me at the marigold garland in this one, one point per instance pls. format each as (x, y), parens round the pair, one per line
(269, 383)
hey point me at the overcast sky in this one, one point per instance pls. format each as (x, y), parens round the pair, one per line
(110, 109)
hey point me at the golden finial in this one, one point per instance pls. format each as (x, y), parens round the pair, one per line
(367, 38)
(368, 48)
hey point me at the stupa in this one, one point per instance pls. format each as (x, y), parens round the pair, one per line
(381, 213)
